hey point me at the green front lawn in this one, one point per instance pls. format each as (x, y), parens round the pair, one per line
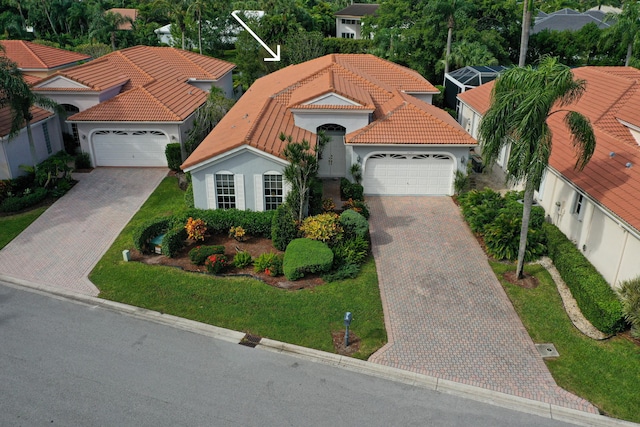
(606, 373)
(11, 226)
(303, 317)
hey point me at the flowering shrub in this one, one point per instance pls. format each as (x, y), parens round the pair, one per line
(216, 263)
(196, 228)
(324, 227)
(328, 205)
(199, 254)
(237, 233)
(270, 263)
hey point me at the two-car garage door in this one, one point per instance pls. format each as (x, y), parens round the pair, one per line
(420, 174)
(132, 148)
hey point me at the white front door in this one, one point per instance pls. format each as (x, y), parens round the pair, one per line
(130, 148)
(333, 163)
(404, 174)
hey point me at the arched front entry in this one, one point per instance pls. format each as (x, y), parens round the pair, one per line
(332, 162)
(408, 174)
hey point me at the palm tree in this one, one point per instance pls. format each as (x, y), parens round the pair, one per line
(527, 5)
(17, 95)
(471, 53)
(521, 101)
(627, 26)
(196, 9)
(177, 11)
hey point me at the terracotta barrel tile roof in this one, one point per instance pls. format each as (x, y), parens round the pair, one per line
(30, 55)
(612, 94)
(6, 117)
(265, 110)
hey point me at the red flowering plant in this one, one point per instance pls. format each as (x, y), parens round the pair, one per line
(216, 264)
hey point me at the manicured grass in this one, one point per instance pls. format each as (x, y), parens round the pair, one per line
(606, 373)
(302, 317)
(11, 226)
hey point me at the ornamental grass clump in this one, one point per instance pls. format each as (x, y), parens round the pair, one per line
(216, 264)
(242, 259)
(196, 229)
(629, 294)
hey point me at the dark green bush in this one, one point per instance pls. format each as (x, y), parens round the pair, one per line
(199, 254)
(61, 188)
(216, 264)
(306, 256)
(354, 224)
(629, 294)
(357, 205)
(83, 161)
(188, 196)
(340, 45)
(480, 208)
(54, 169)
(283, 228)
(18, 203)
(151, 229)
(348, 271)
(596, 299)
(352, 251)
(350, 190)
(315, 197)
(173, 241)
(174, 156)
(242, 259)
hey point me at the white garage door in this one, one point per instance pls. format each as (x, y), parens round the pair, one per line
(134, 148)
(394, 174)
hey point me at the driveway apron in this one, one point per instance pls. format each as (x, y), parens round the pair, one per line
(446, 314)
(62, 246)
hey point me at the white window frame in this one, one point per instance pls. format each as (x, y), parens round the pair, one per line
(232, 196)
(268, 204)
(579, 206)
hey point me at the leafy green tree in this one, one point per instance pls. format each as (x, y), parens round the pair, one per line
(17, 95)
(301, 170)
(207, 117)
(178, 13)
(302, 46)
(521, 101)
(466, 53)
(626, 28)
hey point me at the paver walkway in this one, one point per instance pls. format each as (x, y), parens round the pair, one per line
(63, 245)
(446, 314)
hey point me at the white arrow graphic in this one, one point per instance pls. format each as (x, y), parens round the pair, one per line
(275, 56)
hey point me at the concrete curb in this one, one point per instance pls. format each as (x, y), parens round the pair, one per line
(355, 365)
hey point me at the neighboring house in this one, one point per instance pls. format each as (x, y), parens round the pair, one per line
(377, 114)
(597, 208)
(465, 78)
(125, 107)
(45, 128)
(37, 61)
(349, 20)
(164, 35)
(130, 14)
(569, 20)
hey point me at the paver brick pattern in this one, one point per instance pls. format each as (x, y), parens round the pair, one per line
(63, 245)
(446, 314)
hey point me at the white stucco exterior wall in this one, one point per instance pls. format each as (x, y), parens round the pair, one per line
(350, 28)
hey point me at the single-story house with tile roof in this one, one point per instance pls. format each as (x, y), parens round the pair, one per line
(37, 61)
(45, 129)
(377, 114)
(597, 208)
(125, 107)
(349, 19)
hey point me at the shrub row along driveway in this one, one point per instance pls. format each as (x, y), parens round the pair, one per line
(61, 247)
(446, 314)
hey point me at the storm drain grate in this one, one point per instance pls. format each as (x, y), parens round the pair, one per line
(250, 340)
(547, 350)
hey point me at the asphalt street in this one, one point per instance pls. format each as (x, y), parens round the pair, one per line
(68, 363)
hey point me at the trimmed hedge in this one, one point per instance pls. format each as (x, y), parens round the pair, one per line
(151, 229)
(596, 299)
(354, 224)
(188, 196)
(199, 254)
(174, 156)
(221, 220)
(306, 256)
(173, 241)
(15, 204)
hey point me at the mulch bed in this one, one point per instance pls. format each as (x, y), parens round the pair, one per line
(528, 282)
(254, 245)
(338, 343)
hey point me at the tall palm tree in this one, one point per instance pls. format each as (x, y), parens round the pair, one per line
(178, 12)
(195, 9)
(521, 101)
(627, 26)
(527, 6)
(17, 95)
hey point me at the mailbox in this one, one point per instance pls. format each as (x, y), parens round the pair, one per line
(347, 318)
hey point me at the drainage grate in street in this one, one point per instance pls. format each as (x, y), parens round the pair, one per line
(250, 340)
(547, 350)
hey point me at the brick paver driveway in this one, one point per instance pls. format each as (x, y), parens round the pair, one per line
(446, 314)
(61, 247)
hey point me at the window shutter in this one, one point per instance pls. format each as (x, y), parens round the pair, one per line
(258, 189)
(239, 184)
(286, 187)
(210, 186)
